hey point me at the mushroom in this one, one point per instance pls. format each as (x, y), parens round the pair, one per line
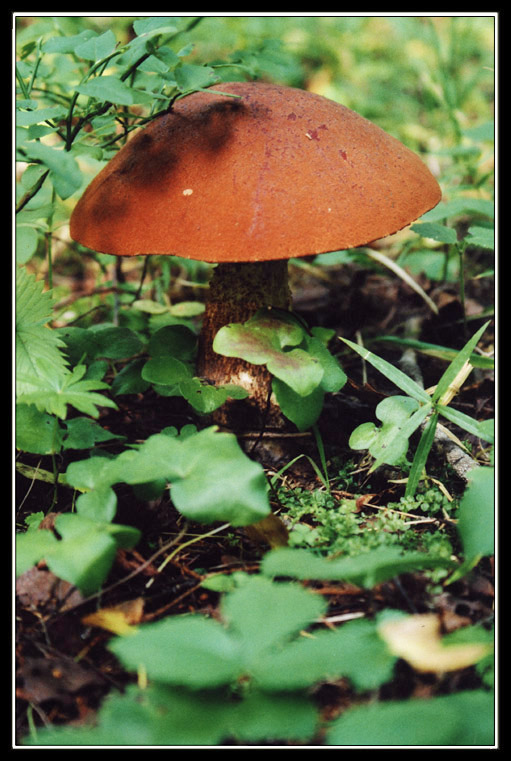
(247, 178)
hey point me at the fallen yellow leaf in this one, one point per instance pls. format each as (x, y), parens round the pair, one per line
(120, 619)
(418, 641)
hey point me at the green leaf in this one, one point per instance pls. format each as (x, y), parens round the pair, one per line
(285, 609)
(28, 118)
(65, 173)
(437, 232)
(36, 431)
(212, 479)
(263, 716)
(205, 398)
(401, 416)
(166, 371)
(355, 651)
(38, 355)
(175, 341)
(476, 519)
(481, 237)
(421, 455)
(464, 718)
(475, 427)
(190, 76)
(96, 48)
(27, 240)
(440, 352)
(400, 379)
(83, 433)
(455, 366)
(110, 89)
(67, 44)
(364, 570)
(53, 395)
(262, 340)
(181, 650)
(460, 207)
(31, 547)
(303, 411)
(99, 505)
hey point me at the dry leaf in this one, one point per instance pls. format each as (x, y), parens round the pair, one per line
(417, 640)
(120, 619)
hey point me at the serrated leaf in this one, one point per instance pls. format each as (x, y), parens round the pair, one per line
(53, 395)
(38, 354)
(482, 237)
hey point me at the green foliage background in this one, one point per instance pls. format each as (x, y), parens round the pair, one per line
(83, 83)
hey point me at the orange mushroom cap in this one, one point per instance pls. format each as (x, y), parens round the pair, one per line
(275, 173)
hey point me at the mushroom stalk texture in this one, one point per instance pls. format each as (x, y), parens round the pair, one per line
(248, 175)
(236, 293)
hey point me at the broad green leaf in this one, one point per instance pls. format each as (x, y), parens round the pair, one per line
(364, 570)
(85, 554)
(190, 76)
(284, 608)
(31, 547)
(166, 371)
(27, 118)
(463, 718)
(262, 716)
(355, 651)
(400, 379)
(110, 89)
(482, 237)
(129, 379)
(134, 718)
(65, 173)
(400, 417)
(36, 431)
(155, 25)
(262, 340)
(182, 650)
(176, 341)
(476, 519)
(116, 343)
(211, 477)
(27, 240)
(437, 232)
(303, 411)
(220, 482)
(96, 48)
(99, 505)
(459, 207)
(67, 44)
(83, 433)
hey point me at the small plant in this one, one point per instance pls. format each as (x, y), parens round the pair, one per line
(248, 675)
(401, 416)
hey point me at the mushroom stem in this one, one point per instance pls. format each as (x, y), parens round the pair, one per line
(236, 292)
